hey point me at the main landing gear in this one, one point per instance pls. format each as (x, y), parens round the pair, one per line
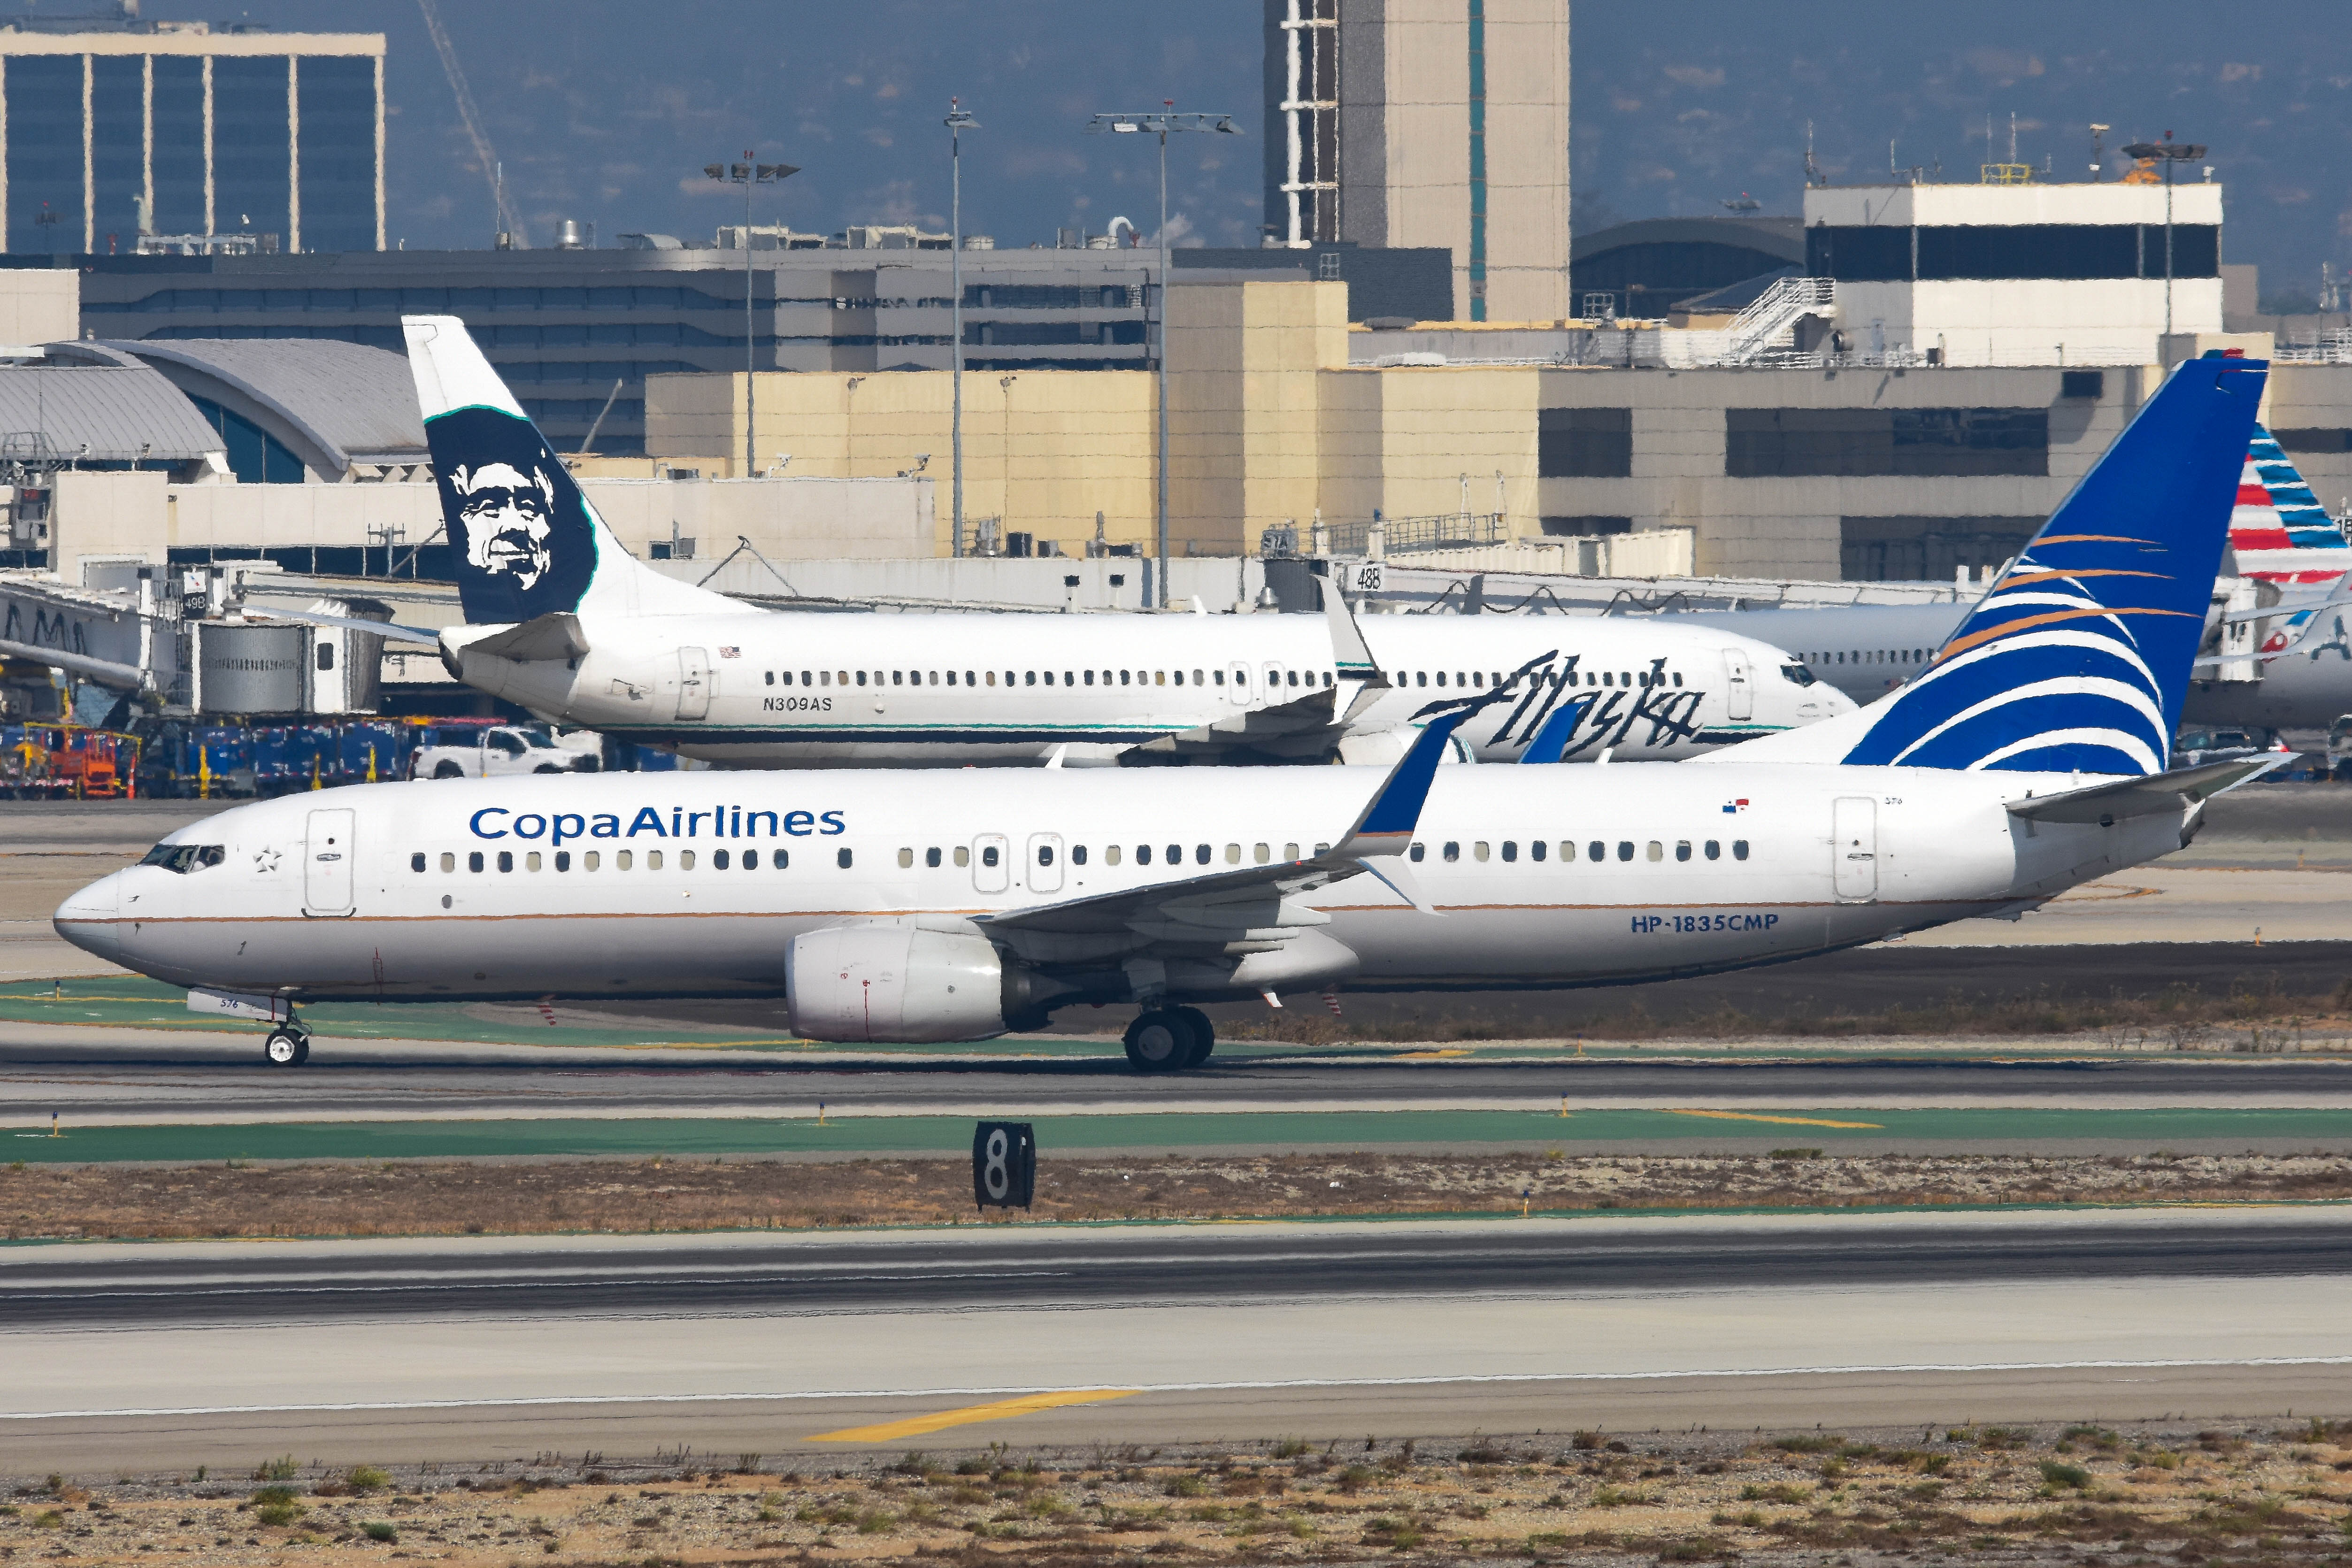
(288, 1046)
(1170, 1039)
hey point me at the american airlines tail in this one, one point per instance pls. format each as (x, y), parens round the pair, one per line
(2279, 531)
(2077, 659)
(525, 540)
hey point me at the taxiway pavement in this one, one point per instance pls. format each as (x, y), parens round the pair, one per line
(141, 1357)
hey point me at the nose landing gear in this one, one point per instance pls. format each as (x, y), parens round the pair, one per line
(288, 1046)
(1170, 1039)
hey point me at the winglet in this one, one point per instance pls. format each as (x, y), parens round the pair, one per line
(1386, 824)
(1350, 655)
(1550, 740)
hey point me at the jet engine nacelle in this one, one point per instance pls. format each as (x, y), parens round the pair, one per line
(894, 983)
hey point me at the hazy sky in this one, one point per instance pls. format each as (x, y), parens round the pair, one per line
(607, 110)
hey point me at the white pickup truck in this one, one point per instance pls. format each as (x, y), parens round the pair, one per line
(474, 751)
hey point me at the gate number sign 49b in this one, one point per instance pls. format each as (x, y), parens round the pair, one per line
(1003, 1164)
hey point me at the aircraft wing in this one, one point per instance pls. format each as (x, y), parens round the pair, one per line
(1254, 908)
(2157, 795)
(1315, 712)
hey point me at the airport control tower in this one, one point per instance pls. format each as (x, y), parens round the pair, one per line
(1426, 123)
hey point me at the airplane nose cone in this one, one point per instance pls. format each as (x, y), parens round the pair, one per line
(87, 919)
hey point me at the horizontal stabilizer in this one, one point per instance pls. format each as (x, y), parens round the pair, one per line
(551, 638)
(2158, 794)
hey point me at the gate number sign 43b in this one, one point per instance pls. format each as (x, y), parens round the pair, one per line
(1003, 1164)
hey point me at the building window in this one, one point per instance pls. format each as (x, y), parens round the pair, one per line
(2084, 383)
(1926, 549)
(1584, 443)
(1885, 253)
(1774, 443)
(1585, 527)
(255, 456)
(2314, 440)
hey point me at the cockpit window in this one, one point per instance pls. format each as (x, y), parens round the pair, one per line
(185, 857)
(1796, 675)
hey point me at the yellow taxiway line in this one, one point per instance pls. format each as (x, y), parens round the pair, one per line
(917, 1425)
(1784, 1121)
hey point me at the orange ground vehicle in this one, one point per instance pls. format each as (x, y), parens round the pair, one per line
(56, 761)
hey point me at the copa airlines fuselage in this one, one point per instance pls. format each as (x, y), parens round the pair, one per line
(622, 885)
(783, 690)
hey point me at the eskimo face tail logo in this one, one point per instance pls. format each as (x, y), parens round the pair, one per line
(2043, 678)
(518, 527)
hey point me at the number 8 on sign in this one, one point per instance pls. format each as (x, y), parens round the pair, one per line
(1003, 1164)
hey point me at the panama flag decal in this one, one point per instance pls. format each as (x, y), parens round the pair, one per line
(1730, 807)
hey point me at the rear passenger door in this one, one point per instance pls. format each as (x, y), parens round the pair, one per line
(693, 683)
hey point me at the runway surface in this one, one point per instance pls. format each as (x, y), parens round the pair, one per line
(156, 1356)
(208, 1079)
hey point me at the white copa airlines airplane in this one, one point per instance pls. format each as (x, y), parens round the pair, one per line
(887, 906)
(565, 622)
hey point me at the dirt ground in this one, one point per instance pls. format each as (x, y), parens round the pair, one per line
(450, 1197)
(2134, 1494)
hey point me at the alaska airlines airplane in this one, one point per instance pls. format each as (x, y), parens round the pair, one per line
(565, 622)
(2030, 757)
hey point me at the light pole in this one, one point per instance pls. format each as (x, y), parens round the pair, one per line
(2167, 152)
(958, 122)
(748, 175)
(1161, 122)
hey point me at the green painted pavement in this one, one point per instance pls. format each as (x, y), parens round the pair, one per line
(1259, 1129)
(131, 1003)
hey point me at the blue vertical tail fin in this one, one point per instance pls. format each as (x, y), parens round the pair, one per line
(2077, 659)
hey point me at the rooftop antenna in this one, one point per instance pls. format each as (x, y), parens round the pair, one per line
(472, 117)
(1812, 170)
(2098, 148)
(2012, 136)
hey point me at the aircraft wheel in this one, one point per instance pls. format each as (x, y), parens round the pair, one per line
(1160, 1040)
(286, 1048)
(1204, 1036)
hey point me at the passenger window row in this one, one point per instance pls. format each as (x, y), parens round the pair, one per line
(1597, 851)
(1867, 656)
(1477, 678)
(1033, 678)
(623, 859)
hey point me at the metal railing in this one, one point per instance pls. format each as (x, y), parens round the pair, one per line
(1772, 314)
(1405, 534)
(2333, 347)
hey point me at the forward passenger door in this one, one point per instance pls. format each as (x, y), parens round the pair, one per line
(1739, 691)
(327, 863)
